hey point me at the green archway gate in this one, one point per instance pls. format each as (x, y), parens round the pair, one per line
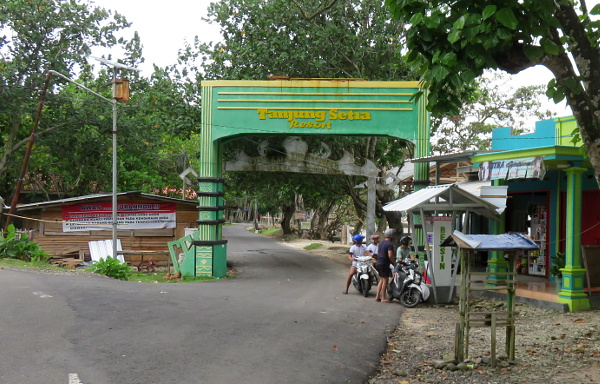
(233, 109)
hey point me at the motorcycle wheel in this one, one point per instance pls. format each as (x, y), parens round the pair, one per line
(410, 298)
(366, 287)
(357, 284)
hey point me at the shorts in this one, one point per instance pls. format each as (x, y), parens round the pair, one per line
(383, 270)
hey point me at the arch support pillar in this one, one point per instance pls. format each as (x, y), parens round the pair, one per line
(210, 250)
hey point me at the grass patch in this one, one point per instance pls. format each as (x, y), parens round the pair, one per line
(15, 263)
(158, 277)
(313, 246)
(140, 277)
(270, 232)
(277, 233)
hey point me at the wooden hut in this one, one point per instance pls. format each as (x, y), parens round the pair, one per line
(147, 222)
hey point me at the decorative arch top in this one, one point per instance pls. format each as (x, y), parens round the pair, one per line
(310, 107)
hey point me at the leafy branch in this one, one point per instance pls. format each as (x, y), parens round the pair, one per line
(316, 13)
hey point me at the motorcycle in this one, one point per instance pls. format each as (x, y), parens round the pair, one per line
(365, 276)
(407, 285)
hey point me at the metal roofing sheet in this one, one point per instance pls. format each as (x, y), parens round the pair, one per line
(411, 201)
(84, 198)
(443, 198)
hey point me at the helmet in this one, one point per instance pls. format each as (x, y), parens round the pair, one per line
(405, 240)
(389, 232)
(357, 239)
(375, 236)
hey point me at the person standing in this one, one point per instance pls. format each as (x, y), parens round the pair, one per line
(357, 249)
(372, 251)
(385, 257)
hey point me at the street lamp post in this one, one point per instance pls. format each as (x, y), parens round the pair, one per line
(120, 93)
(116, 97)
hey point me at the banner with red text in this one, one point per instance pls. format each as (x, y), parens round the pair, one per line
(98, 216)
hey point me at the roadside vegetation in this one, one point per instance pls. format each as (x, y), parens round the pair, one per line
(17, 250)
(133, 276)
(16, 263)
(18, 246)
(270, 232)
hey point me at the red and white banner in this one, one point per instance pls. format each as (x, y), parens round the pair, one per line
(98, 216)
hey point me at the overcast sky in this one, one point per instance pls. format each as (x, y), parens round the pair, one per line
(164, 26)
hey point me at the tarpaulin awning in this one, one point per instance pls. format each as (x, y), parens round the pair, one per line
(505, 242)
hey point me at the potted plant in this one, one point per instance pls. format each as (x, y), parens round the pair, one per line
(558, 262)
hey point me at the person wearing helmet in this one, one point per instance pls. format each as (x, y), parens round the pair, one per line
(357, 249)
(403, 251)
(385, 257)
(372, 248)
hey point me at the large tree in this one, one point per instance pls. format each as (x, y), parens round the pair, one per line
(350, 39)
(42, 35)
(490, 105)
(157, 128)
(453, 42)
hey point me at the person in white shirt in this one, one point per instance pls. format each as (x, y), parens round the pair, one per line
(372, 248)
(357, 249)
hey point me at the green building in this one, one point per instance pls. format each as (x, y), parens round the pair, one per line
(552, 197)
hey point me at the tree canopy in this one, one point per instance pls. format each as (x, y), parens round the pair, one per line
(491, 104)
(350, 39)
(453, 42)
(41, 36)
(157, 129)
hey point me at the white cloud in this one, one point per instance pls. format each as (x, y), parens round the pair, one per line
(163, 26)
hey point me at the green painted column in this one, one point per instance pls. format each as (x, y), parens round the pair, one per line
(210, 250)
(497, 264)
(421, 175)
(572, 292)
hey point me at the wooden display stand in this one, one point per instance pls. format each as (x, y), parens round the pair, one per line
(471, 281)
(512, 245)
(590, 255)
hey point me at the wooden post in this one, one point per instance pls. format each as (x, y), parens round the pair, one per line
(460, 346)
(493, 340)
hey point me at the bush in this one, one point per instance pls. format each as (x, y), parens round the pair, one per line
(558, 262)
(112, 268)
(13, 246)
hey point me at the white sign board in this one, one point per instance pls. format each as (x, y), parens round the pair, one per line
(525, 168)
(441, 260)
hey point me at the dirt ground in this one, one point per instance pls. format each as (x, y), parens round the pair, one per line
(551, 347)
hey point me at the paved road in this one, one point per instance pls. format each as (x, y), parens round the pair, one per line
(284, 320)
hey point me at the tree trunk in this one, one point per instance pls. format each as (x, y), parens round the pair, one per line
(288, 214)
(394, 220)
(579, 78)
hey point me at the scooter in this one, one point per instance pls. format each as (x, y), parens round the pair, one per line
(407, 285)
(365, 276)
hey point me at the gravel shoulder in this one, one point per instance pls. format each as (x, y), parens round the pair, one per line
(551, 347)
